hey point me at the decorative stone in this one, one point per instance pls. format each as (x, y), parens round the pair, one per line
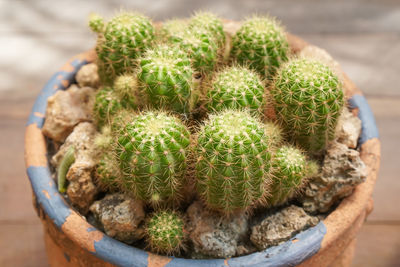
(342, 170)
(213, 235)
(348, 129)
(120, 216)
(88, 76)
(66, 109)
(280, 227)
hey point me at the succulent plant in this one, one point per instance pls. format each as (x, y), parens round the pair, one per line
(152, 152)
(308, 100)
(109, 101)
(261, 44)
(166, 77)
(201, 48)
(165, 232)
(66, 162)
(236, 88)
(96, 23)
(289, 171)
(233, 161)
(173, 30)
(108, 173)
(209, 22)
(123, 41)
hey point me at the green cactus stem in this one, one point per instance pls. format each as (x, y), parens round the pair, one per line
(173, 30)
(233, 161)
(152, 152)
(236, 88)
(125, 38)
(166, 77)
(308, 100)
(65, 164)
(96, 23)
(289, 168)
(261, 44)
(209, 22)
(165, 232)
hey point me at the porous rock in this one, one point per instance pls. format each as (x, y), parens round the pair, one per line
(120, 216)
(348, 129)
(213, 235)
(88, 76)
(81, 189)
(281, 226)
(65, 109)
(342, 170)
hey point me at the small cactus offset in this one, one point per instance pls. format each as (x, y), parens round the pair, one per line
(236, 88)
(308, 100)
(211, 24)
(96, 23)
(233, 161)
(152, 152)
(123, 41)
(166, 77)
(108, 174)
(165, 232)
(110, 101)
(261, 44)
(289, 171)
(173, 30)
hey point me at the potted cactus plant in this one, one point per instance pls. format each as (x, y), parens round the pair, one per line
(201, 142)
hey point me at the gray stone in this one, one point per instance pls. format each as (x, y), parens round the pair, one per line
(81, 189)
(213, 235)
(280, 227)
(342, 170)
(65, 109)
(348, 129)
(120, 216)
(88, 76)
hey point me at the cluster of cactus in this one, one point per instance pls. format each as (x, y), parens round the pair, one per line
(308, 99)
(238, 158)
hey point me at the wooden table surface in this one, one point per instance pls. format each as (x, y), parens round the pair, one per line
(37, 37)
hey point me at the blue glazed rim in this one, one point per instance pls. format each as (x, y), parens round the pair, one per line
(291, 253)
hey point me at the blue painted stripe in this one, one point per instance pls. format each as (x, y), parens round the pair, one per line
(50, 89)
(55, 206)
(369, 128)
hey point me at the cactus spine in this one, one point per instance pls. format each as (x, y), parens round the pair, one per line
(308, 101)
(233, 161)
(261, 44)
(211, 24)
(236, 88)
(123, 41)
(152, 151)
(165, 232)
(166, 76)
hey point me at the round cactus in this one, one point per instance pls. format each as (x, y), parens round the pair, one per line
(308, 100)
(165, 232)
(236, 88)
(173, 30)
(202, 50)
(210, 23)
(289, 168)
(109, 101)
(108, 174)
(233, 161)
(261, 44)
(96, 23)
(152, 152)
(166, 77)
(123, 41)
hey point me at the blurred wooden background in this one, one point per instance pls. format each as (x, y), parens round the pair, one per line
(37, 37)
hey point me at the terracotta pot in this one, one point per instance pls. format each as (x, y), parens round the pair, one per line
(72, 241)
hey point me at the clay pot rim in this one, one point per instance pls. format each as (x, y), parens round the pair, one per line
(295, 251)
